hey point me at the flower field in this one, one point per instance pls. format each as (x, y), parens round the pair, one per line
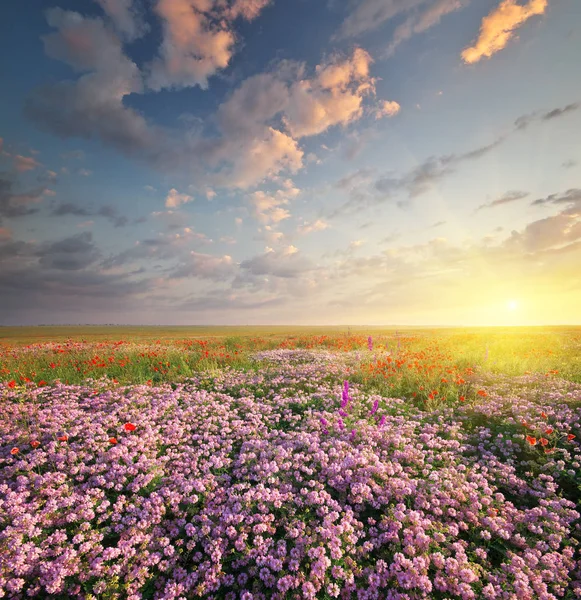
(407, 466)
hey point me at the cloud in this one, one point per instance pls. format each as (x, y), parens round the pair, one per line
(195, 44)
(263, 119)
(204, 266)
(268, 208)
(571, 197)
(554, 232)
(524, 121)
(92, 106)
(423, 20)
(25, 163)
(61, 280)
(285, 263)
(70, 254)
(387, 109)
(175, 199)
(371, 14)
(248, 9)
(334, 96)
(247, 161)
(126, 17)
(430, 172)
(318, 225)
(18, 205)
(107, 211)
(499, 26)
(198, 40)
(506, 198)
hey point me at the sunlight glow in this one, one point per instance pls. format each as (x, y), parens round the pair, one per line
(512, 305)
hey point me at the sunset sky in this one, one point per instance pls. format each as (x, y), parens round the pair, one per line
(290, 162)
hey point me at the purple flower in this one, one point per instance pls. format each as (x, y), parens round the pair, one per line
(375, 407)
(370, 343)
(345, 394)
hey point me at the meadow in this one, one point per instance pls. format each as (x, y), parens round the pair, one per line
(257, 463)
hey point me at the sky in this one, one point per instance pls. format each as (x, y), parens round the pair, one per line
(315, 162)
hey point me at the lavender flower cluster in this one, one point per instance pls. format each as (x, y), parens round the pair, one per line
(285, 483)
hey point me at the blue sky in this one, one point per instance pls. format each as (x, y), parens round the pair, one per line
(268, 162)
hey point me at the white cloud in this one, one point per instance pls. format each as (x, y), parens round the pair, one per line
(318, 225)
(387, 109)
(125, 16)
(175, 199)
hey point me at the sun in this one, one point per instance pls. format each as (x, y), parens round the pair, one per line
(512, 305)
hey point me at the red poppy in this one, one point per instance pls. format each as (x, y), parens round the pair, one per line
(41, 382)
(35, 443)
(544, 441)
(570, 437)
(14, 451)
(113, 440)
(63, 438)
(544, 415)
(129, 427)
(462, 398)
(531, 440)
(549, 430)
(12, 384)
(482, 393)
(549, 450)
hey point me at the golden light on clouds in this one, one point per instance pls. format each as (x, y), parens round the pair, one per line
(499, 27)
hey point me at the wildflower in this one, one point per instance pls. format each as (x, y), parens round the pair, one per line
(375, 407)
(14, 451)
(353, 434)
(482, 393)
(370, 343)
(381, 421)
(544, 415)
(531, 440)
(41, 383)
(129, 427)
(63, 438)
(462, 398)
(113, 440)
(323, 422)
(345, 394)
(35, 443)
(549, 450)
(543, 441)
(549, 430)
(570, 437)
(12, 384)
